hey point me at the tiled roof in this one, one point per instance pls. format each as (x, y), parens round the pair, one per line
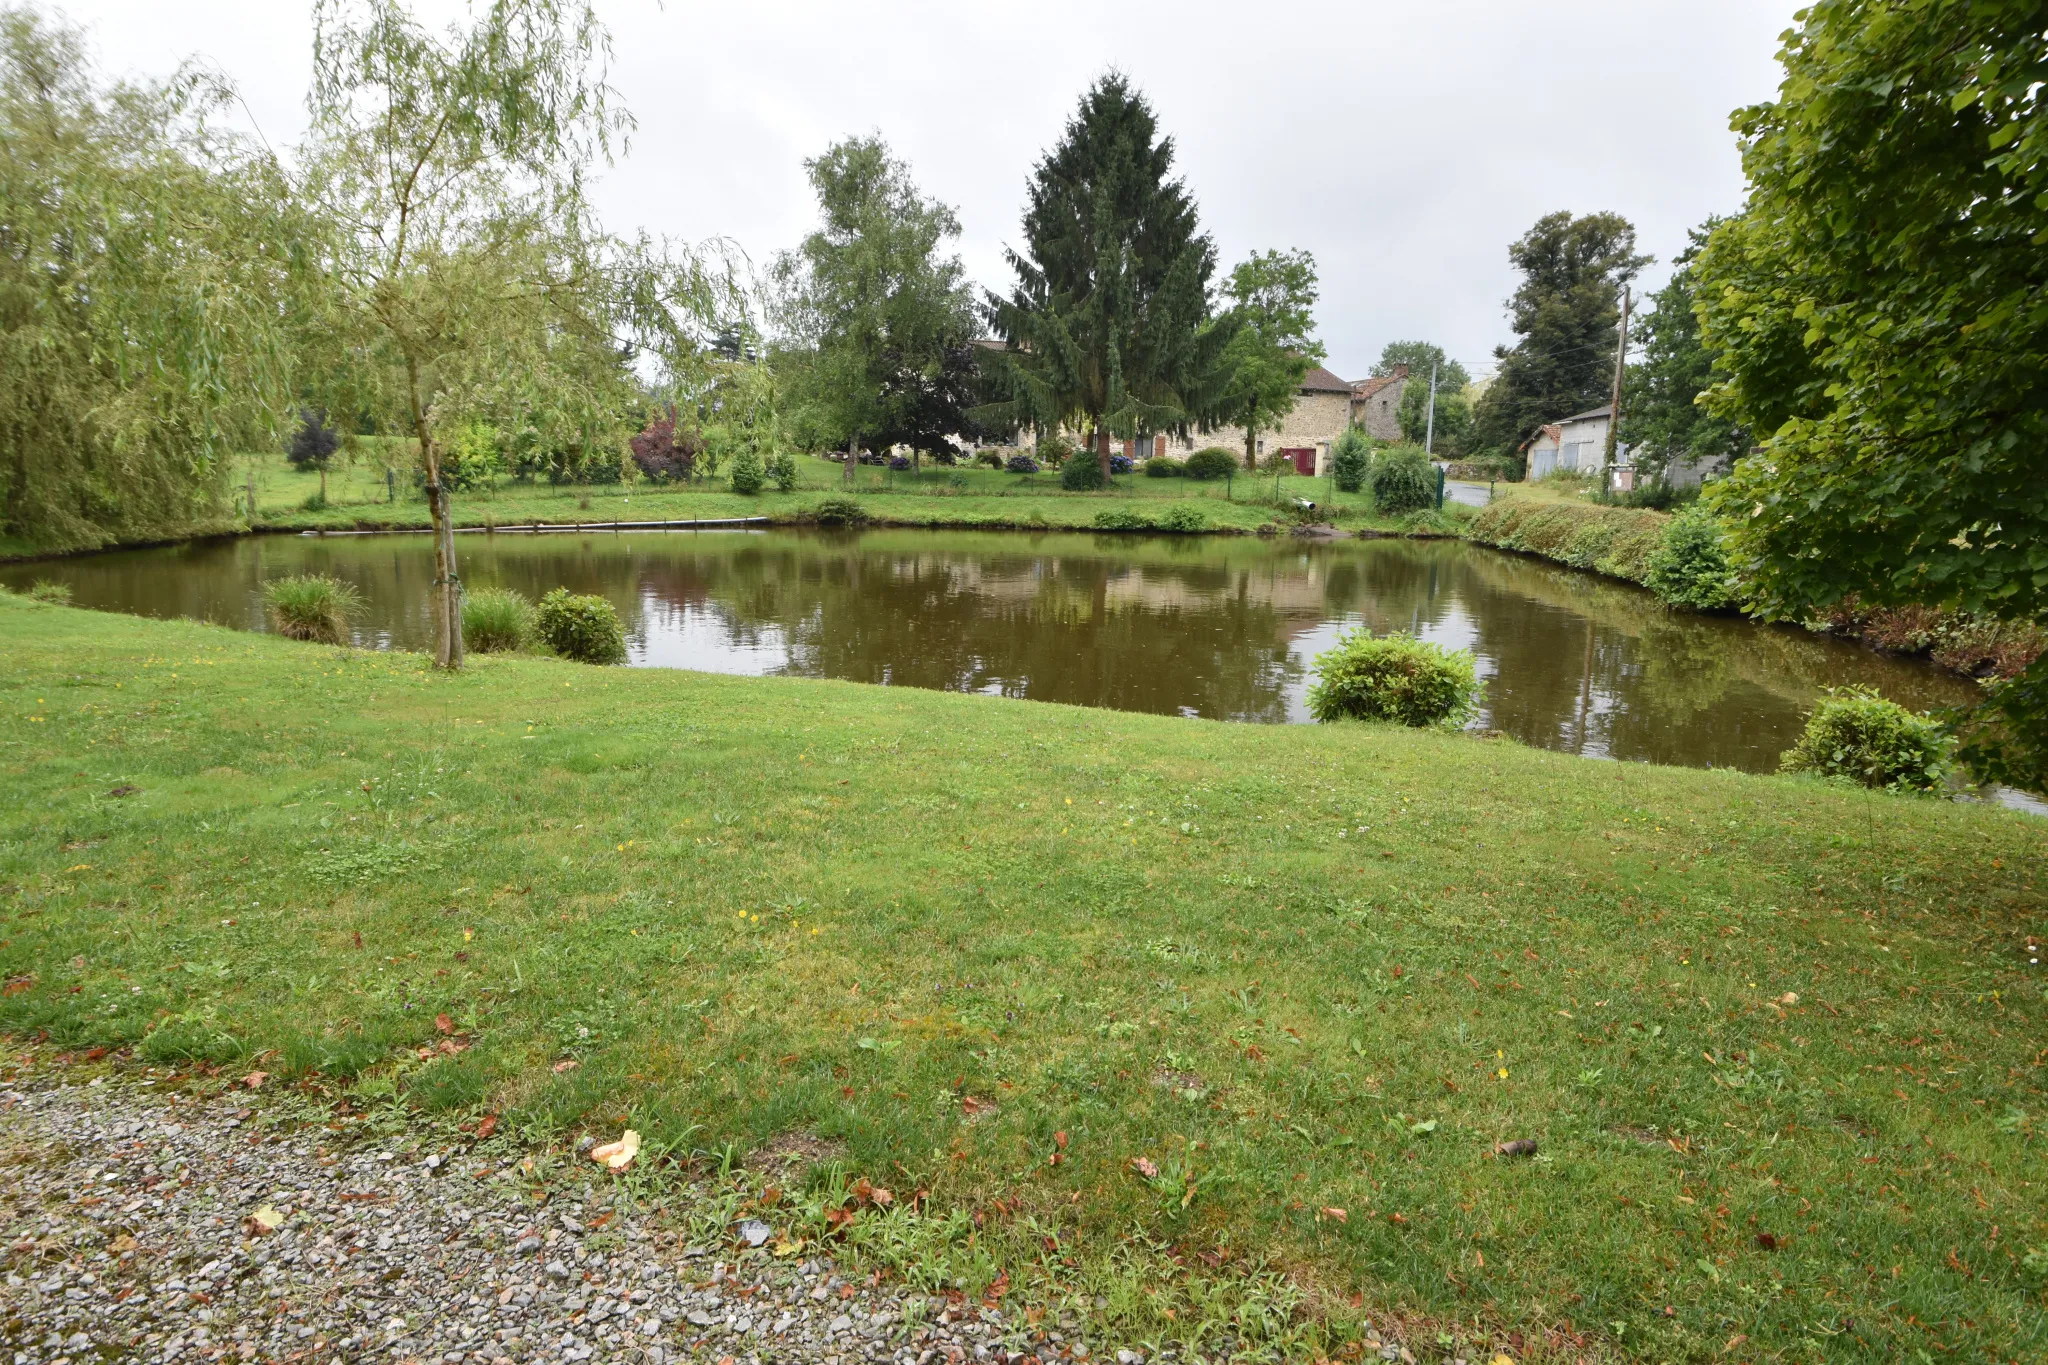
(1320, 380)
(1606, 410)
(1366, 388)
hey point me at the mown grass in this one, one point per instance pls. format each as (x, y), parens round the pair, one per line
(1311, 975)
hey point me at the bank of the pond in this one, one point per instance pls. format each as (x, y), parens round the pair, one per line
(1248, 994)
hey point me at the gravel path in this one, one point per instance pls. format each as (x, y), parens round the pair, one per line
(132, 1227)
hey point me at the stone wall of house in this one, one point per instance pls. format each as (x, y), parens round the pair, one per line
(1316, 421)
(1380, 414)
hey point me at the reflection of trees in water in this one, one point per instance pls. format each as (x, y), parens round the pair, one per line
(1141, 623)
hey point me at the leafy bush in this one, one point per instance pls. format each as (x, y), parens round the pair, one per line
(1351, 459)
(1054, 451)
(664, 454)
(748, 473)
(1394, 677)
(495, 619)
(1020, 463)
(1081, 476)
(1611, 540)
(1211, 462)
(312, 607)
(583, 628)
(782, 469)
(473, 459)
(992, 458)
(840, 512)
(1403, 480)
(55, 594)
(1122, 519)
(1858, 735)
(1121, 464)
(899, 462)
(1689, 568)
(1183, 516)
(314, 442)
(1159, 467)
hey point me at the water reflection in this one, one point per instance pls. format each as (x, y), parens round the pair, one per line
(1216, 627)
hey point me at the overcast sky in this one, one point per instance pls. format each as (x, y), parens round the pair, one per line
(1404, 144)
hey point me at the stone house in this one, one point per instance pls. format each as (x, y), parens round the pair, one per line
(1322, 409)
(1376, 404)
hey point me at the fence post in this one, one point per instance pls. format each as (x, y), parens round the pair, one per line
(1440, 476)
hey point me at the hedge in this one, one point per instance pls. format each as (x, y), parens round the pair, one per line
(1616, 541)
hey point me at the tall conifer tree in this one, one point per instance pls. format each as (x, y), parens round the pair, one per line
(1108, 326)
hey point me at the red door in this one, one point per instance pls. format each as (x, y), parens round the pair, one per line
(1304, 458)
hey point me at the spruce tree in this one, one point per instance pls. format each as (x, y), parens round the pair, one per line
(1108, 326)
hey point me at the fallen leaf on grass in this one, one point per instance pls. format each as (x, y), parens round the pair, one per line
(1334, 1214)
(443, 1024)
(1789, 998)
(566, 1064)
(487, 1126)
(255, 1079)
(619, 1155)
(1143, 1166)
(17, 984)
(1518, 1147)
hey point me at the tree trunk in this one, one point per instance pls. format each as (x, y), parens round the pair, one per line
(852, 459)
(1102, 449)
(1251, 446)
(447, 592)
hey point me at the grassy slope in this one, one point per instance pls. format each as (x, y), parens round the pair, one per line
(760, 905)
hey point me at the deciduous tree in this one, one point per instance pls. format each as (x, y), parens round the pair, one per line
(1663, 420)
(1273, 298)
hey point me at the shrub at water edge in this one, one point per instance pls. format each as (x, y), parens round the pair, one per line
(1183, 516)
(582, 628)
(1689, 568)
(1351, 459)
(312, 607)
(495, 619)
(1211, 462)
(1122, 519)
(1081, 476)
(1394, 677)
(1403, 481)
(54, 594)
(840, 512)
(1858, 735)
(748, 473)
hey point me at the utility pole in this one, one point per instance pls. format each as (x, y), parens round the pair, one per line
(1614, 405)
(1429, 429)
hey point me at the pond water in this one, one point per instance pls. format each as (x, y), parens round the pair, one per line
(1225, 627)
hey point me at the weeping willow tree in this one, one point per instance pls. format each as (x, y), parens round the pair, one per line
(462, 273)
(143, 254)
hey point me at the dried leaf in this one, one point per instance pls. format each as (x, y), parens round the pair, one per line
(1143, 1166)
(566, 1064)
(444, 1024)
(618, 1155)
(1335, 1214)
(262, 1222)
(1518, 1147)
(255, 1079)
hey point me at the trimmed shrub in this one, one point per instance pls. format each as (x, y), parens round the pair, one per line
(1689, 568)
(312, 607)
(1159, 467)
(1403, 480)
(1081, 476)
(1351, 459)
(1395, 677)
(1211, 462)
(1122, 519)
(1183, 516)
(495, 619)
(583, 628)
(1617, 541)
(1020, 463)
(782, 469)
(1858, 735)
(53, 594)
(840, 512)
(748, 473)
(1121, 464)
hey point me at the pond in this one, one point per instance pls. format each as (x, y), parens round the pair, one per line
(1224, 627)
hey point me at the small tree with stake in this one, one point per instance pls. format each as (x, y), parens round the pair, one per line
(313, 445)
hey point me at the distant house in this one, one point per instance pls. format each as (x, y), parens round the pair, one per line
(1575, 444)
(1376, 404)
(1322, 409)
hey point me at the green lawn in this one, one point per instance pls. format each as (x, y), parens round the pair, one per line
(1781, 1043)
(936, 496)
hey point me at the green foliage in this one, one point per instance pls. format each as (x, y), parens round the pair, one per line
(782, 469)
(1055, 450)
(1663, 421)
(583, 628)
(1120, 518)
(1880, 309)
(1403, 480)
(1395, 677)
(1858, 735)
(1689, 568)
(1351, 459)
(1273, 298)
(877, 311)
(1565, 312)
(1453, 425)
(313, 443)
(1418, 356)
(1082, 476)
(474, 459)
(140, 296)
(748, 475)
(496, 619)
(1185, 517)
(1210, 462)
(312, 607)
(1108, 326)
(1160, 467)
(1616, 541)
(53, 594)
(840, 512)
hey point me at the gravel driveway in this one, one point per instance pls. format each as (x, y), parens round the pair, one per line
(133, 1227)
